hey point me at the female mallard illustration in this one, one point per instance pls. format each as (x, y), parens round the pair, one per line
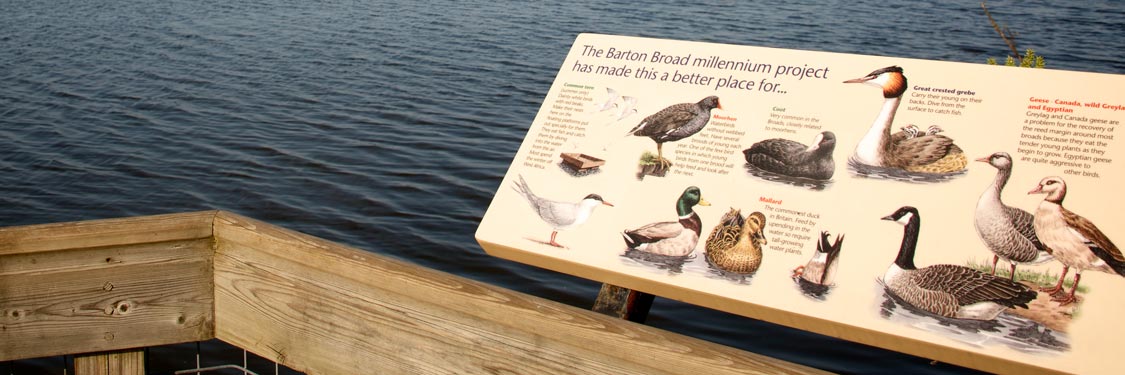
(671, 238)
(1076, 241)
(735, 245)
(676, 122)
(920, 153)
(948, 290)
(1006, 230)
(791, 158)
(560, 215)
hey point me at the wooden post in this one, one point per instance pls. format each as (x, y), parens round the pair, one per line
(623, 303)
(125, 362)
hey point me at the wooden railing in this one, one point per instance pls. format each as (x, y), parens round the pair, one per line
(312, 305)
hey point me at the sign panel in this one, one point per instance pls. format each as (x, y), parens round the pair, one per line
(878, 199)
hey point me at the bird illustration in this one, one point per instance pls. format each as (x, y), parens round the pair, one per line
(791, 158)
(947, 290)
(560, 215)
(821, 268)
(922, 153)
(611, 97)
(671, 238)
(1007, 231)
(676, 122)
(627, 107)
(1077, 243)
(735, 245)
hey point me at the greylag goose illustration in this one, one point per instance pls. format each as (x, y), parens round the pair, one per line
(1008, 231)
(1077, 243)
(922, 153)
(560, 215)
(947, 290)
(676, 122)
(791, 158)
(671, 238)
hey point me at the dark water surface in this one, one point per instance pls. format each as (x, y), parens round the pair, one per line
(388, 125)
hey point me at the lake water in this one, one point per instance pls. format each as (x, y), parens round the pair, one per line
(388, 125)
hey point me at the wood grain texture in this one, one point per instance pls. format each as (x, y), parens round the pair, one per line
(323, 308)
(107, 232)
(90, 299)
(125, 362)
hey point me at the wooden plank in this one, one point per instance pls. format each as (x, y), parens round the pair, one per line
(105, 298)
(106, 232)
(92, 364)
(623, 303)
(323, 308)
(125, 362)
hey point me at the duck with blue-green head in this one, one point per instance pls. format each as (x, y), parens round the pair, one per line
(671, 238)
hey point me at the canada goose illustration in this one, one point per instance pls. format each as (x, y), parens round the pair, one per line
(921, 153)
(735, 245)
(945, 289)
(560, 215)
(1007, 231)
(791, 158)
(676, 122)
(671, 238)
(1077, 243)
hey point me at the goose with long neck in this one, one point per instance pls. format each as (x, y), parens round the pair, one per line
(1076, 241)
(945, 289)
(1007, 231)
(924, 153)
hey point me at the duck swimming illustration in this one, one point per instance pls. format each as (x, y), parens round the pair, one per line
(735, 245)
(1007, 231)
(1076, 241)
(947, 290)
(671, 238)
(790, 158)
(560, 215)
(821, 268)
(676, 122)
(921, 153)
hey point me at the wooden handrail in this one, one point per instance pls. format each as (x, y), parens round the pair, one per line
(307, 303)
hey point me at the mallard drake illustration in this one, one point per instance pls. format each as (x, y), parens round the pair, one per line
(676, 122)
(821, 268)
(948, 290)
(791, 158)
(671, 238)
(1007, 231)
(560, 215)
(735, 245)
(1077, 243)
(923, 153)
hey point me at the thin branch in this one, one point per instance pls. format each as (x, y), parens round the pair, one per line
(1005, 34)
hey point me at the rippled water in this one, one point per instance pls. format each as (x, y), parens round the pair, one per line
(388, 125)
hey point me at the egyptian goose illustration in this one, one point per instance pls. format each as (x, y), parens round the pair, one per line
(1008, 231)
(676, 122)
(922, 153)
(560, 215)
(947, 290)
(671, 238)
(1077, 243)
(791, 158)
